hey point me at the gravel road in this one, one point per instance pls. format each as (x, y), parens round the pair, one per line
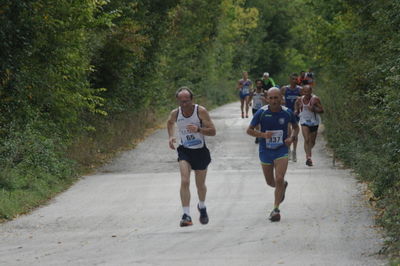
(128, 212)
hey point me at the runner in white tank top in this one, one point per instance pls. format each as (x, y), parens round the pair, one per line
(259, 100)
(193, 122)
(307, 116)
(309, 107)
(190, 140)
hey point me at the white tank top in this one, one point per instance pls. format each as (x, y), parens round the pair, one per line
(258, 100)
(190, 140)
(307, 117)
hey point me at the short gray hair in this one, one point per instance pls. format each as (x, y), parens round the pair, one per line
(184, 88)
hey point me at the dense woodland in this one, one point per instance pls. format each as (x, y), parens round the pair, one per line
(80, 80)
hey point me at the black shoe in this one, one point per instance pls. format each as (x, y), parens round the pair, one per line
(275, 215)
(203, 215)
(284, 191)
(186, 220)
(309, 162)
(256, 141)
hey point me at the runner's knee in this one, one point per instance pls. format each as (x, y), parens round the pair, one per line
(201, 187)
(270, 183)
(185, 183)
(279, 180)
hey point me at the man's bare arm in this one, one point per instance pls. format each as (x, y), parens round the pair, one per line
(251, 130)
(207, 128)
(317, 106)
(283, 92)
(171, 128)
(297, 106)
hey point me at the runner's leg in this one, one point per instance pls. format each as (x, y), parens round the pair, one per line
(313, 137)
(247, 105)
(268, 170)
(200, 176)
(185, 169)
(307, 142)
(242, 100)
(281, 165)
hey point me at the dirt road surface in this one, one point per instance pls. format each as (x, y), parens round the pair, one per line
(128, 213)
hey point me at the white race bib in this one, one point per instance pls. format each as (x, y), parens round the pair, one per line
(245, 89)
(276, 140)
(309, 117)
(190, 139)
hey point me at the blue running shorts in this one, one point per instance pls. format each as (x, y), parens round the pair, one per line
(243, 95)
(268, 156)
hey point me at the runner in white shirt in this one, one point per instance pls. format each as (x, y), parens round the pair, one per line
(259, 100)
(308, 107)
(193, 122)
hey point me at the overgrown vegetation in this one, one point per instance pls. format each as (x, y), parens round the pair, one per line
(80, 80)
(355, 47)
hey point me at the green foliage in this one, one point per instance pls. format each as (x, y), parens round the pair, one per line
(33, 167)
(72, 72)
(44, 93)
(83, 73)
(355, 47)
(47, 64)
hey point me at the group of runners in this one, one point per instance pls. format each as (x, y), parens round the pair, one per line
(276, 115)
(297, 96)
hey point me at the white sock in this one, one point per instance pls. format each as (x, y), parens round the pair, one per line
(186, 210)
(201, 205)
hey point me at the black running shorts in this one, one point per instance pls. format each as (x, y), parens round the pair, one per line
(198, 159)
(311, 128)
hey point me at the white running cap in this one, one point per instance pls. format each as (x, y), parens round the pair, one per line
(266, 74)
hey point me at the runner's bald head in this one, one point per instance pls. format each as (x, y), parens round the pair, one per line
(273, 90)
(184, 90)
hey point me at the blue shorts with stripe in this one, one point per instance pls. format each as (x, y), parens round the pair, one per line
(243, 95)
(268, 156)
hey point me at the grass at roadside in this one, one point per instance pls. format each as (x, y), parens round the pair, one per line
(20, 201)
(34, 173)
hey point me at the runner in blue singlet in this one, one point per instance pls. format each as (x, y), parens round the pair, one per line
(290, 94)
(275, 137)
(244, 86)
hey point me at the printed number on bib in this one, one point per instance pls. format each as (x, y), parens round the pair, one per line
(190, 140)
(190, 137)
(276, 140)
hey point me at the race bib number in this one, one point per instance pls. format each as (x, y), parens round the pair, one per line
(189, 139)
(245, 89)
(257, 105)
(310, 119)
(276, 140)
